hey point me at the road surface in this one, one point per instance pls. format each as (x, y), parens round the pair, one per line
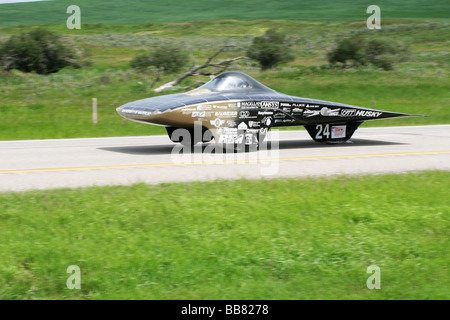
(45, 164)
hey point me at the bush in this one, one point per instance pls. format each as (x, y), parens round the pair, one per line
(385, 61)
(164, 59)
(351, 49)
(270, 49)
(382, 53)
(39, 50)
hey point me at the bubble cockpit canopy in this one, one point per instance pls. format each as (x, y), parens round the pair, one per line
(232, 81)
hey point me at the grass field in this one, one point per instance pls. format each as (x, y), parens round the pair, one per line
(135, 11)
(275, 239)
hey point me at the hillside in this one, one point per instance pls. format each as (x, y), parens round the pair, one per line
(137, 12)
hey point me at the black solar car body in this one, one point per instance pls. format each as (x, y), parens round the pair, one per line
(235, 109)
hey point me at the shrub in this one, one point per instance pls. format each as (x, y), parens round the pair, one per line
(381, 53)
(350, 49)
(385, 61)
(270, 49)
(164, 59)
(39, 50)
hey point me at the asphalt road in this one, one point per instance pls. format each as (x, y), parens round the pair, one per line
(45, 164)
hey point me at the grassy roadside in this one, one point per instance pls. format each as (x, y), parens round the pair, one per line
(276, 239)
(42, 118)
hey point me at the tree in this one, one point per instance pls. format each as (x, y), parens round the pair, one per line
(165, 59)
(39, 50)
(270, 49)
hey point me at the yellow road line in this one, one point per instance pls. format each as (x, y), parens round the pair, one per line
(224, 161)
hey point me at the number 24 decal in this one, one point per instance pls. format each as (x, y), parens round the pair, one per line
(322, 130)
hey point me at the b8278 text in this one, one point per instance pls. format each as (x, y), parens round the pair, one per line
(246, 309)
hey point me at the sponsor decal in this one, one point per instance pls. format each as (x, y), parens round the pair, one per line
(226, 113)
(238, 138)
(280, 116)
(227, 130)
(338, 132)
(188, 110)
(312, 106)
(270, 104)
(137, 112)
(217, 123)
(298, 104)
(311, 113)
(348, 112)
(250, 137)
(283, 104)
(297, 110)
(198, 114)
(242, 126)
(284, 120)
(231, 138)
(244, 114)
(204, 107)
(220, 107)
(259, 104)
(366, 113)
(231, 123)
(253, 124)
(249, 104)
(327, 112)
(265, 113)
(263, 131)
(267, 121)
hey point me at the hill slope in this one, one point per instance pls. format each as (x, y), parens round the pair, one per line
(135, 11)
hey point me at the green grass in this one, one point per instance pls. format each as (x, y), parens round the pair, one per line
(117, 11)
(265, 239)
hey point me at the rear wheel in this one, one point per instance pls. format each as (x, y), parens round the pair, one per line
(189, 136)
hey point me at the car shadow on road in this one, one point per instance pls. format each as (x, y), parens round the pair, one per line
(305, 144)
(269, 145)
